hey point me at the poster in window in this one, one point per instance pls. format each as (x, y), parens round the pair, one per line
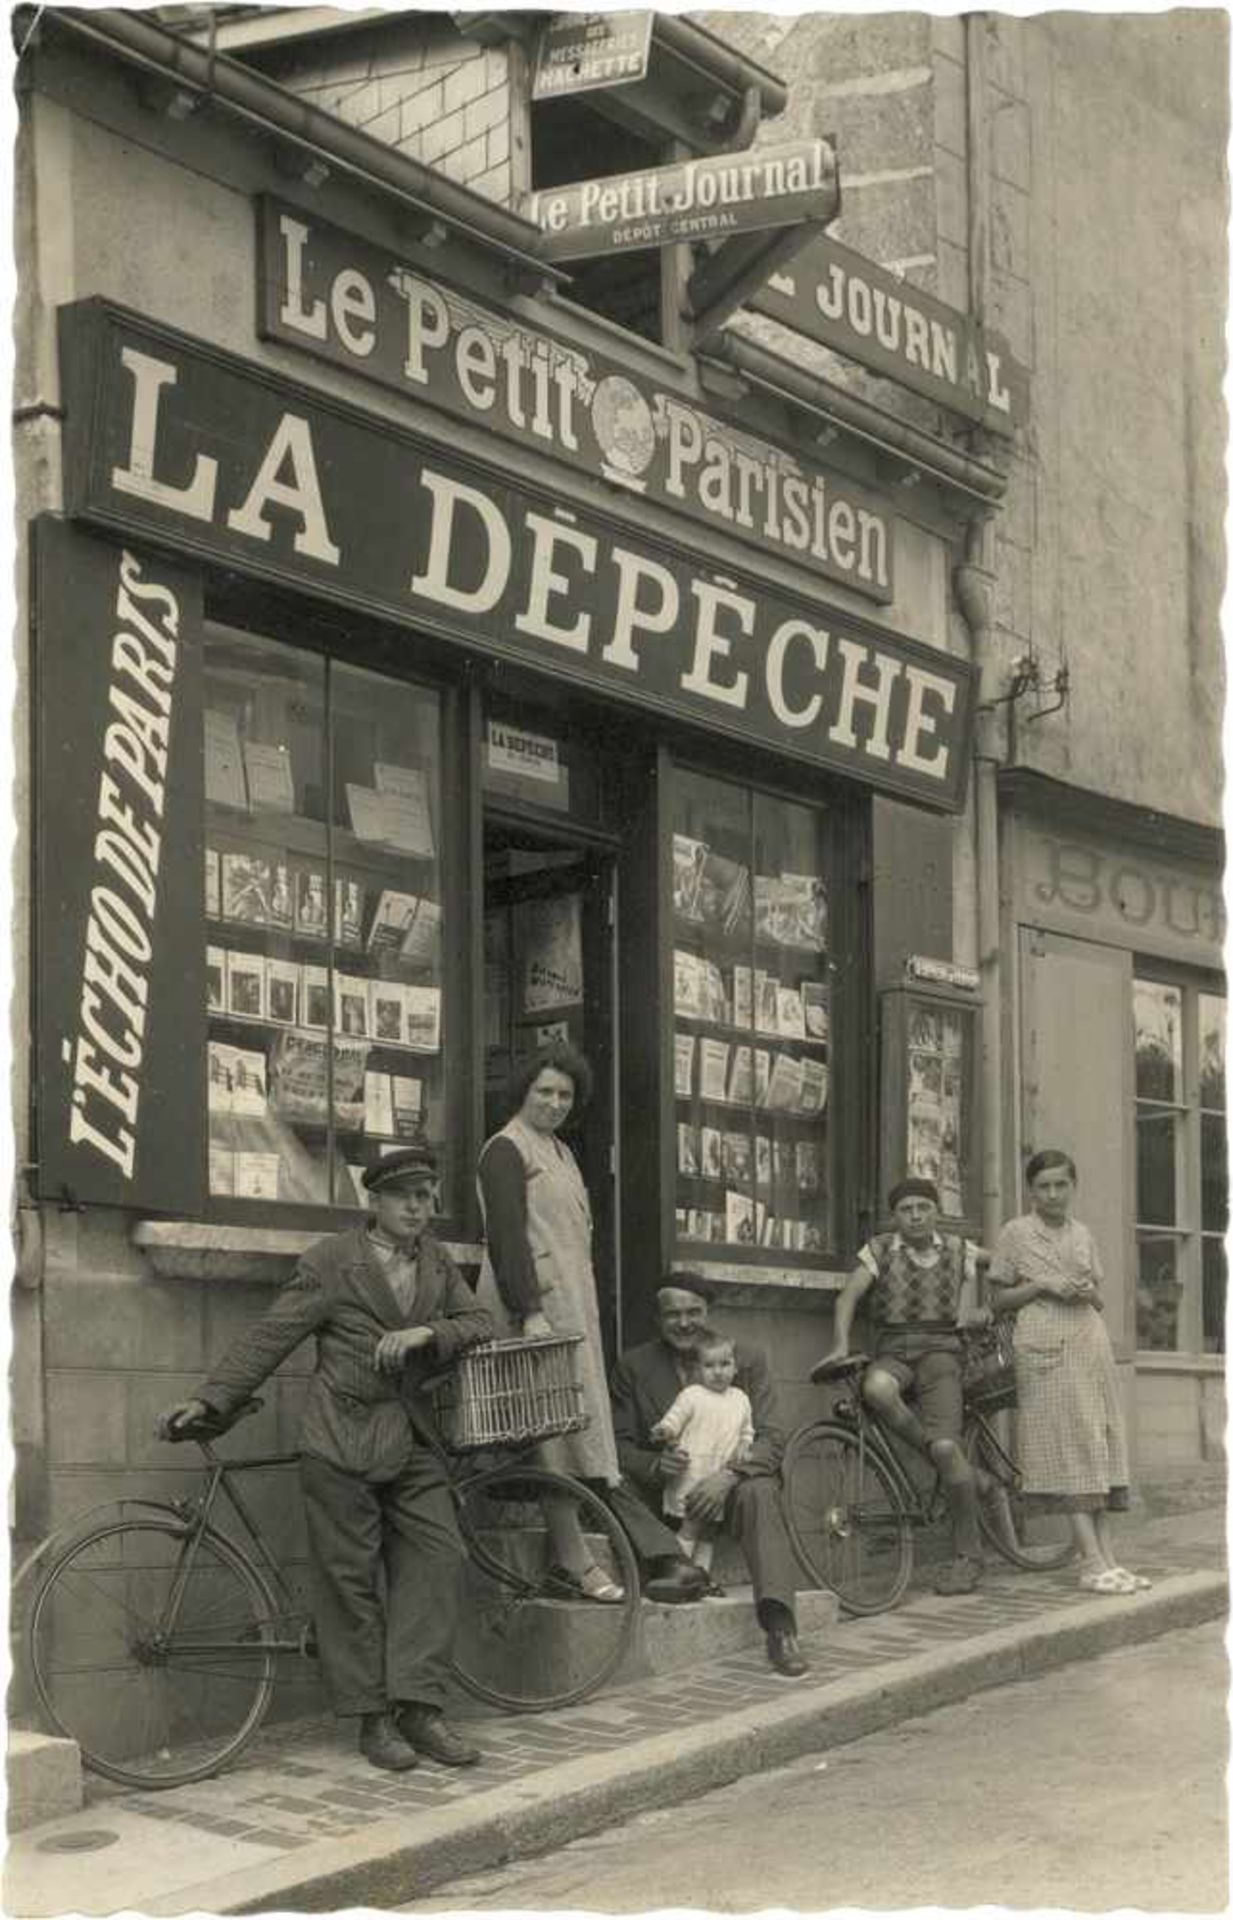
(550, 943)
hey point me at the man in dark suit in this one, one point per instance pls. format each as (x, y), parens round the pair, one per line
(742, 1499)
(386, 1306)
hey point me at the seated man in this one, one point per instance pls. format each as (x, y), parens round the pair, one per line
(913, 1278)
(743, 1499)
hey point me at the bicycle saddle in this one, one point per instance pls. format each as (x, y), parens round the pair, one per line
(838, 1369)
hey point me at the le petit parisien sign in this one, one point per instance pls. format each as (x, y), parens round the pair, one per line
(355, 305)
(198, 448)
(704, 199)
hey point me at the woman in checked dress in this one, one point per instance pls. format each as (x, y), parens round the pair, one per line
(1071, 1433)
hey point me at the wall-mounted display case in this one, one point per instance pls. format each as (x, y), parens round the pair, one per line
(929, 1121)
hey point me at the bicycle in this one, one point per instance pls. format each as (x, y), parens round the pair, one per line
(851, 1505)
(154, 1638)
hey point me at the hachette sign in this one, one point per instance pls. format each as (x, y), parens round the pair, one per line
(837, 297)
(703, 199)
(346, 301)
(577, 52)
(216, 457)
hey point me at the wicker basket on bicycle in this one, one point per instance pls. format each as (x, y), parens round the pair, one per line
(510, 1392)
(989, 1365)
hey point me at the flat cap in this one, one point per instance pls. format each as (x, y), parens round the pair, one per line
(409, 1166)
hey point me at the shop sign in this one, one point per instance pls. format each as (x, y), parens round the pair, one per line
(1120, 895)
(120, 961)
(522, 755)
(941, 973)
(705, 199)
(837, 297)
(171, 437)
(357, 306)
(579, 51)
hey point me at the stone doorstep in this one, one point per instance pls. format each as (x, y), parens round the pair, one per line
(44, 1778)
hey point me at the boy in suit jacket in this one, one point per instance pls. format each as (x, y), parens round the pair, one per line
(386, 1306)
(743, 1499)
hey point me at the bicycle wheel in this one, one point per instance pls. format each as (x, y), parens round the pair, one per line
(524, 1641)
(846, 1518)
(1021, 1534)
(156, 1690)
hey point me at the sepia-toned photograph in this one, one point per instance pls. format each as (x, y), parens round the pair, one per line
(617, 979)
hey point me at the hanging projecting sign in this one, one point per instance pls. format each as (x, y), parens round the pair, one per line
(359, 307)
(120, 957)
(579, 51)
(835, 296)
(214, 456)
(703, 199)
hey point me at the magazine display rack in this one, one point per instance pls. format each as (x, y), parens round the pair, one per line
(323, 916)
(752, 1020)
(930, 1039)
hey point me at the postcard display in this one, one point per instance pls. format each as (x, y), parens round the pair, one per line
(323, 911)
(752, 1027)
(929, 1043)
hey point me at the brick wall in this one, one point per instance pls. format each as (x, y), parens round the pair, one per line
(421, 88)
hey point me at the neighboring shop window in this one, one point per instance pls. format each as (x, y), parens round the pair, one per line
(323, 908)
(752, 1019)
(1181, 1166)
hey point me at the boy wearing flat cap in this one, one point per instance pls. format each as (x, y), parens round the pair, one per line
(386, 1306)
(913, 1279)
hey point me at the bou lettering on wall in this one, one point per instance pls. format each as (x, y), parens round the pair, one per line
(192, 446)
(120, 980)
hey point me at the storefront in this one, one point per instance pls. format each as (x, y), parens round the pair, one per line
(423, 667)
(1116, 935)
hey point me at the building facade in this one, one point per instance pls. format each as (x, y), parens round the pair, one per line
(433, 644)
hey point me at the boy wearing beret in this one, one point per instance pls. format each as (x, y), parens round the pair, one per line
(913, 1279)
(386, 1306)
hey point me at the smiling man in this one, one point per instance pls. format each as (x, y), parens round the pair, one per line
(741, 1500)
(386, 1305)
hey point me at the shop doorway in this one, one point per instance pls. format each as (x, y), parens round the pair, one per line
(549, 972)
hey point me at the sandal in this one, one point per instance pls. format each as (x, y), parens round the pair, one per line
(594, 1584)
(1108, 1580)
(1135, 1582)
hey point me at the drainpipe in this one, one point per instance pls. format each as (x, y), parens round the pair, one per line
(974, 580)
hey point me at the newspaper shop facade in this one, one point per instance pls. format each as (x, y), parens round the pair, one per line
(426, 664)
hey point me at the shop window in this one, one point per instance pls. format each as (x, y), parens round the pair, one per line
(752, 1028)
(572, 140)
(1181, 1172)
(324, 922)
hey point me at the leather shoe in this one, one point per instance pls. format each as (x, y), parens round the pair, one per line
(679, 1583)
(382, 1745)
(430, 1733)
(784, 1652)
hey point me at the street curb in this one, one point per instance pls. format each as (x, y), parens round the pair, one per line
(383, 1867)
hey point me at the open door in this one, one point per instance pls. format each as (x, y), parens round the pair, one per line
(549, 933)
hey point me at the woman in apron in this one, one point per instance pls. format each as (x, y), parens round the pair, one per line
(537, 1279)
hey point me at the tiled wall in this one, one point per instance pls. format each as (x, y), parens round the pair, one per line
(428, 92)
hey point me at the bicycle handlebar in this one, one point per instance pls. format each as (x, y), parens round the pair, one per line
(214, 1425)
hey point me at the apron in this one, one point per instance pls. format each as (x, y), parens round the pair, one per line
(559, 1232)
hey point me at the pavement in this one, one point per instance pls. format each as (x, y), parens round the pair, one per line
(302, 1824)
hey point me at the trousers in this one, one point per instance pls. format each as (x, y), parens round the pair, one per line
(753, 1518)
(385, 1561)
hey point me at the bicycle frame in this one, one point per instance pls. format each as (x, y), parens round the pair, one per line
(197, 1511)
(872, 1435)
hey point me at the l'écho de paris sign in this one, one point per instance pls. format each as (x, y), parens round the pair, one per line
(205, 452)
(837, 297)
(357, 306)
(705, 199)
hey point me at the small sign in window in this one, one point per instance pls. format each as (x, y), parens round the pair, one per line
(527, 763)
(580, 51)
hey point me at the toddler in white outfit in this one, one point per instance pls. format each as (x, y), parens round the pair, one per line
(713, 1421)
